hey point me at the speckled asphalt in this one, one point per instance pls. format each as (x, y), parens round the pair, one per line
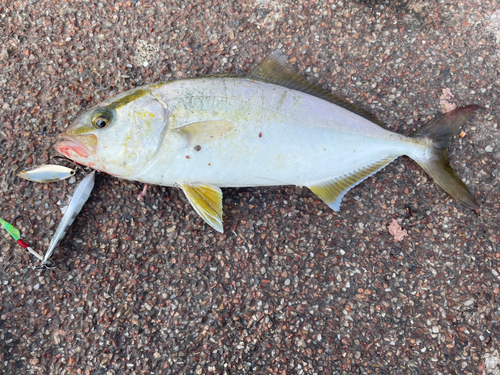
(291, 287)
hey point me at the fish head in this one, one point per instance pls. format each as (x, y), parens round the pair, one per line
(118, 136)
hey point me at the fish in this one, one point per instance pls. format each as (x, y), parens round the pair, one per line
(47, 173)
(81, 195)
(271, 127)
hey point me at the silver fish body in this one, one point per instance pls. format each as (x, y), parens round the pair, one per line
(271, 128)
(269, 135)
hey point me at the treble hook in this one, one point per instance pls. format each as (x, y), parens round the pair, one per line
(17, 217)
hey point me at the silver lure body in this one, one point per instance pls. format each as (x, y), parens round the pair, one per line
(47, 173)
(80, 196)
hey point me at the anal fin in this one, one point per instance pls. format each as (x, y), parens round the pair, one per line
(331, 191)
(207, 202)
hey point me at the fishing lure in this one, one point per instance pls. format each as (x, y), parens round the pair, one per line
(81, 196)
(14, 232)
(47, 173)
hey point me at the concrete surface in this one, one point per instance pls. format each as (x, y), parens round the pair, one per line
(291, 287)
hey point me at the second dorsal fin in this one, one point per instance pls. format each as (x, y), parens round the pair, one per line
(275, 69)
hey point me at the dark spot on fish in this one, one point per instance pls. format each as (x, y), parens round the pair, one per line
(197, 148)
(260, 135)
(187, 157)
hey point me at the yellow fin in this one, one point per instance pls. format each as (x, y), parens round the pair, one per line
(207, 201)
(331, 191)
(203, 132)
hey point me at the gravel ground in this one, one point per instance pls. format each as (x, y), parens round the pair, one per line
(145, 287)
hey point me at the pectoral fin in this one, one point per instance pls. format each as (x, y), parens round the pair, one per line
(203, 132)
(207, 201)
(331, 191)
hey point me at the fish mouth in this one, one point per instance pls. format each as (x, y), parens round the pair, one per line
(76, 146)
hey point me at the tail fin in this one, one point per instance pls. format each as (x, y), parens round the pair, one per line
(440, 131)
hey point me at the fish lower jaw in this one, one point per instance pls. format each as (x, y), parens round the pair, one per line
(72, 150)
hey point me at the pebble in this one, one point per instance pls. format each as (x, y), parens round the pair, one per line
(468, 302)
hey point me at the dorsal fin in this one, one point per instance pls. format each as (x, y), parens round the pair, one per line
(275, 69)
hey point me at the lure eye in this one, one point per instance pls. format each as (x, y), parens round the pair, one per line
(101, 118)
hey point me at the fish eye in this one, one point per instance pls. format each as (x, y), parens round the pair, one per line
(101, 118)
(101, 123)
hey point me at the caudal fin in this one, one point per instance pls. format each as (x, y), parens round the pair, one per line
(440, 131)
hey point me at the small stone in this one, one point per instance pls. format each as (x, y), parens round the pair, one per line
(34, 361)
(104, 362)
(287, 282)
(488, 148)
